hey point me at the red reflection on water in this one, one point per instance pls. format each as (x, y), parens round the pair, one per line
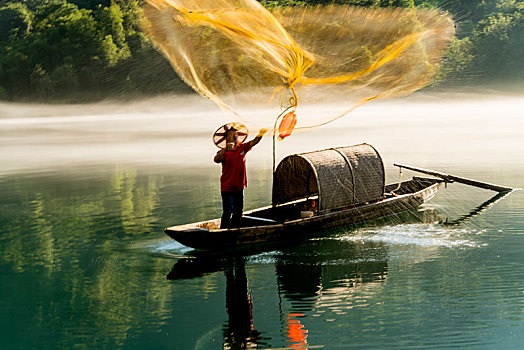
(296, 332)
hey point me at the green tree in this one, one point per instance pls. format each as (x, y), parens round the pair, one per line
(363, 3)
(131, 14)
(42, 82)
(457, 63)
(110, 22)
(59, 30)
(499, 46)
(63, 30)
(397, 3)
(65, 77)
(90, 4)
(15, 19)
(56, 48)
(3, 94)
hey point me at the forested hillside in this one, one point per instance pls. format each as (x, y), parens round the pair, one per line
(81, 50)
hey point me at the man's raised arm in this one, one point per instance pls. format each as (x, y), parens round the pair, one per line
(257, 138)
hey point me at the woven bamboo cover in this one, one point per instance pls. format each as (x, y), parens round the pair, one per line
(334, 178)
(368, 172)
(294, 178)
(341, 177)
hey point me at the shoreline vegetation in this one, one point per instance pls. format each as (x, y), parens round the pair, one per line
(78, 51)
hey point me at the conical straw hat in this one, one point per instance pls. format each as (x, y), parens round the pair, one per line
(219, 137)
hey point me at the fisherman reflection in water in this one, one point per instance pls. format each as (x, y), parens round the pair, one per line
(234, 179)
(239, 332)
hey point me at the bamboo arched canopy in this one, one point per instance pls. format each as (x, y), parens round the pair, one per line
(341, 177)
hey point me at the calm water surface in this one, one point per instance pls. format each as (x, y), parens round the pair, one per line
(84, 198)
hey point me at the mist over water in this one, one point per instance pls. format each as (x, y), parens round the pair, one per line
(86, 191)
(175, 130)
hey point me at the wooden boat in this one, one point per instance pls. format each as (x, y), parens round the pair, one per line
(320, 190)
(312, 192)
(283, 222)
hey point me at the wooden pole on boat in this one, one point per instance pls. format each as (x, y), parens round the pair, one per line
(275, 134)
(453, 178)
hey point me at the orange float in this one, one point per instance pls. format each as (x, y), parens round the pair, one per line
(287, 125)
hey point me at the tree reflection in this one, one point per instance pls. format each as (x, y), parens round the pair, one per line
(74, 233)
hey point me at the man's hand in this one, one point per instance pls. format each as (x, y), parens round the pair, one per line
(257, 138)
(261, 132)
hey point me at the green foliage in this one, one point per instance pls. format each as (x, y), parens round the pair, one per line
(397, 3)
(3, 93)
(15, 19)
(65, 77)
(45, 86)
(78, 49)
(110, 22)
(363, 3)
(63, 30)
(457, 62)
(91, 4)
(499, 43)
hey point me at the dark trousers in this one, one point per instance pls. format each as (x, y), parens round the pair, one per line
(232, 204)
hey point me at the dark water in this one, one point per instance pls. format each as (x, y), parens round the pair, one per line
(84, 262)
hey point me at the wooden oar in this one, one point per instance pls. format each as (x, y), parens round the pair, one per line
(453, 178)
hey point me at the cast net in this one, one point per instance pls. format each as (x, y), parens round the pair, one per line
(254, 62)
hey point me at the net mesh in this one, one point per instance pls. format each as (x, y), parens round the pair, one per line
(241, 55)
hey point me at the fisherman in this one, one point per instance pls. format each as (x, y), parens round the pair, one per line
(234, 179)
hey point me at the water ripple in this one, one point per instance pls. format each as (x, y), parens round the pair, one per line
(422, 235)
(162, 247)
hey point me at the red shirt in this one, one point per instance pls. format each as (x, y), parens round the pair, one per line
(234, 169)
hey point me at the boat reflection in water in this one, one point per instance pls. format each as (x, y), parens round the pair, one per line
(318, 274)
(321, 278)
(338, 278)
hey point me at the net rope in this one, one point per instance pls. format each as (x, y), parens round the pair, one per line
(241, 55)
